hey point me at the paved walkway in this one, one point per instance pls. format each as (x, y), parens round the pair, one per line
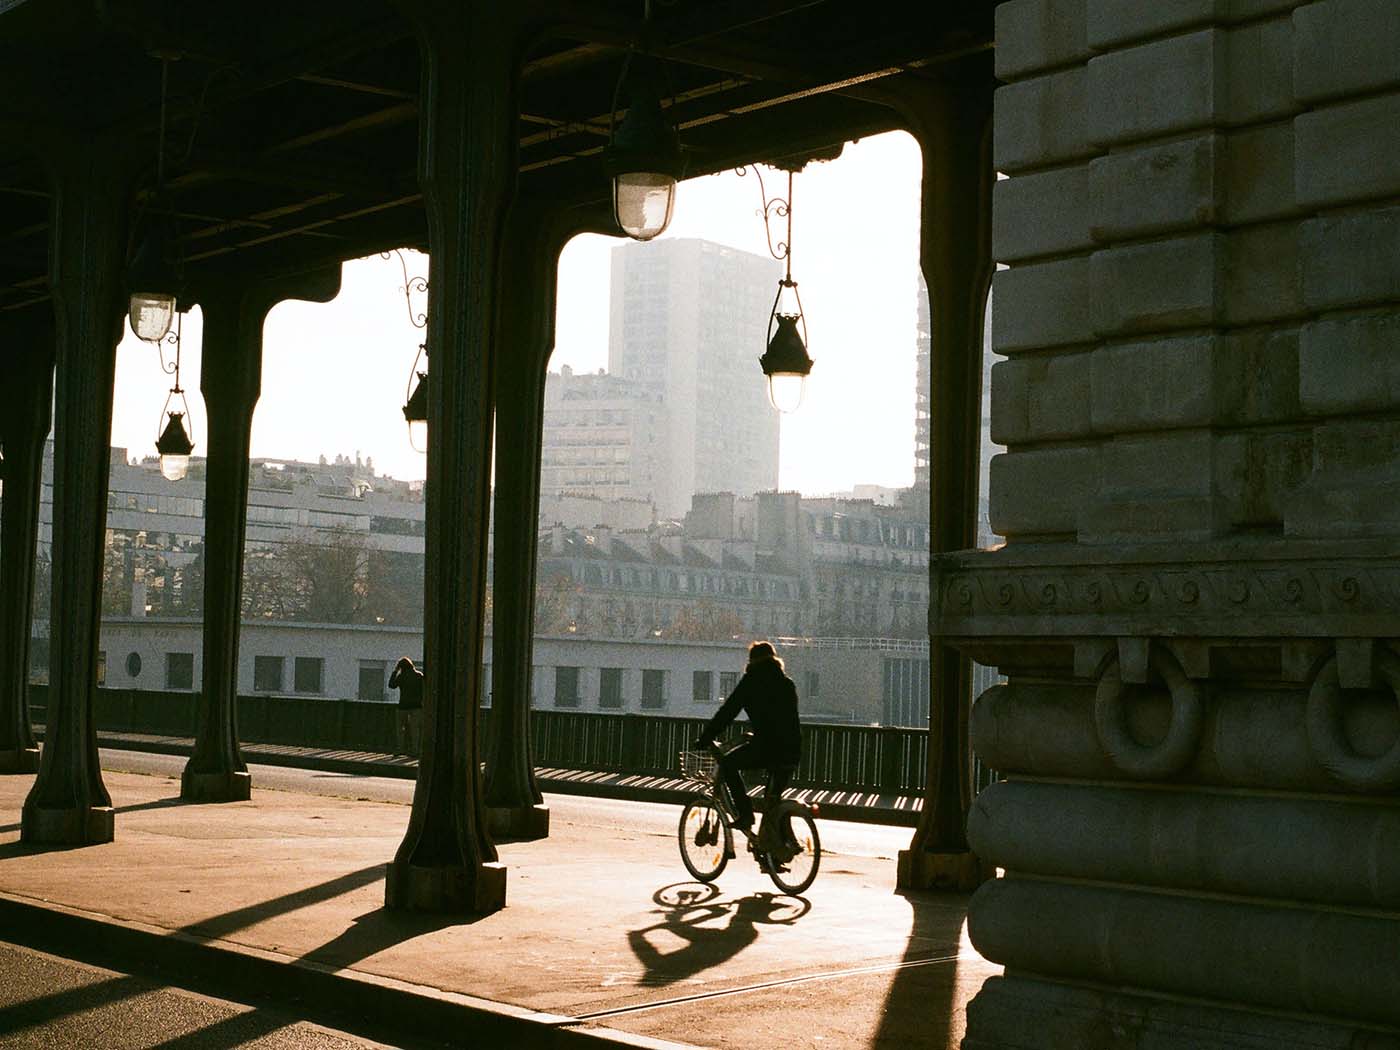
(604, 939)
(864, 806)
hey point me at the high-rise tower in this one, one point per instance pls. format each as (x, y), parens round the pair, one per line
(689, 320)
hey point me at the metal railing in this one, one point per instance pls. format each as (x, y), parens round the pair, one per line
(856, 759)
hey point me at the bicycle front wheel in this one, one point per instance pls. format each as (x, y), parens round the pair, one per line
(705, 839)
(794, 868)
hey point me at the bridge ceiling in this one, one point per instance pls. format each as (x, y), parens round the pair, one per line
(293, 125)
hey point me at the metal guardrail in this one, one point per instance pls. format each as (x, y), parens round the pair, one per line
(871, 759)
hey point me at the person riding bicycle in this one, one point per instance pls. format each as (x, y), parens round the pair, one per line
(769, 698)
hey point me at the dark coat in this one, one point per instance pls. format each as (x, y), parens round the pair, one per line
(769, 698)
(409, 683)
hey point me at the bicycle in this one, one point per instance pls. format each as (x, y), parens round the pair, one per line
(786, 845)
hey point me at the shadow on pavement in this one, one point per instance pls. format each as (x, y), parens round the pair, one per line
(922, 1002)
(49, 1008)
(688, 911)
(238, 1030)
(249, 915)
(16, 849)
(373, 932)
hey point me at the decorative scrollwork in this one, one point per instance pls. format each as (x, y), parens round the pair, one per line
(1049, 594)
(1293, 590)
(1190, 592)
(964, 593)
(411, 286)
(1006, 594)
(1238, 590)
(1093, 592)
(1140, 593)
(1348, 589)
(773, 208)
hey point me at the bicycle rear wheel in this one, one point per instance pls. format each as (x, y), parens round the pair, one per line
(801, 858)
(706, 841)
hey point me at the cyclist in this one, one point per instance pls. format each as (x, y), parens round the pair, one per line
(769, 698)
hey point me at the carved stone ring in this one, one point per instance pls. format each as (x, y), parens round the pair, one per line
(1176, 749)
(1327, 738)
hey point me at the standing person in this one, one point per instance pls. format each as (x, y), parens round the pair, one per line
(769, 698)
(408, 680)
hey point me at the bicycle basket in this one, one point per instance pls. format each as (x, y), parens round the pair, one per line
(699, 766)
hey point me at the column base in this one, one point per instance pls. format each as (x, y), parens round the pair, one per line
(21, 760)
(232, 786)
(87, 826)
(521, 823)
(959, 872)
(1020, 1013)
(445, 890)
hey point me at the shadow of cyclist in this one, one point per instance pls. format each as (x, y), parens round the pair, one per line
(688, 912)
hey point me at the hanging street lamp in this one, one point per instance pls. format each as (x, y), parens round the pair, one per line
(415, 407)
(644, 158)
(152, 281)
(153, 273)
(174, 444)
(785, 362)
(643, 155)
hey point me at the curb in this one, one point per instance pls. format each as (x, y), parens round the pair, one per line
(359, 1003)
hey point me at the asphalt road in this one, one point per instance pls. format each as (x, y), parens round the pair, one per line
(838, 836)
(47, 1003)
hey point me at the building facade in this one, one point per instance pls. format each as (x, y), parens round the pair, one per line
(603, 438)
(839, 680)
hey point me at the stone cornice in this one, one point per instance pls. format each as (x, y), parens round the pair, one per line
(1264, 589)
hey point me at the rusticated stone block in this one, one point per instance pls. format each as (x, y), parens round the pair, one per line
(1349, 152)
(1302, 849)
(1159, 385)
(1041, 305)
(1158, 487)
(1345, 47)
(1041, 491)
(1040, 122)
(1260, 60)
(1156, 286)
(1351, 259)
(1153, 190)
(1111, 23)
(1261, 274)
(1355, 485)
(1257, 377)
(1350, 364)
(1020, 1013)
(1257, 475)
(1162, 465)
(1041, 214)
(1033, 35)
(1171, 85)
(1258, 174)
(1040, 397)
(1245, 952)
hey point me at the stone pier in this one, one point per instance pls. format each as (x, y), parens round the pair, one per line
(1198, 605)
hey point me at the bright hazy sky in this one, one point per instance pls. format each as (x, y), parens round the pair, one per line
(335, 375)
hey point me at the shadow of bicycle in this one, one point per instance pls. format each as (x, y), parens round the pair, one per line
(710, 930)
